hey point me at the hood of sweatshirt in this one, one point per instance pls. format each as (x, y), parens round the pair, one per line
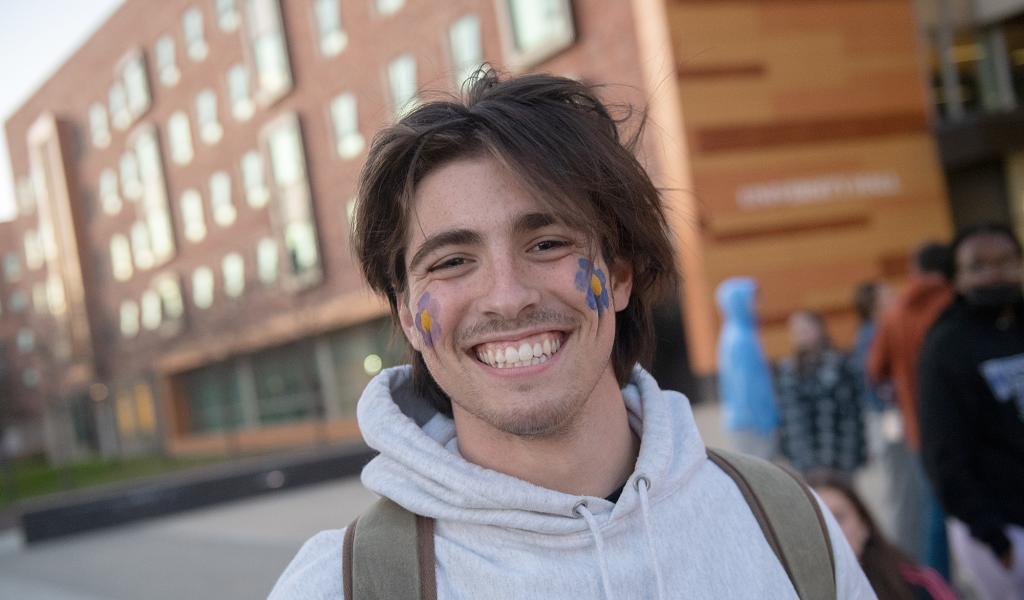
(735, 298)
(420, 467)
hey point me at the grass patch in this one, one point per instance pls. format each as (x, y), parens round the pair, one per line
(29, 478)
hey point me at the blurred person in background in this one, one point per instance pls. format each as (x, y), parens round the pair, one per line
(818, 394)
(892, 574)
(749, 415)
(918, 522)
(869, 300)
(971, 410)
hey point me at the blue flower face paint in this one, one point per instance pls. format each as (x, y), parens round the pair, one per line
(592, 281)
(426, 322)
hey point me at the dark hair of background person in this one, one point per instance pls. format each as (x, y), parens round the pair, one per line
(565, 148)
(934, 258)
(808, 359)
(972, 231)
(880, 559)
(865, 299)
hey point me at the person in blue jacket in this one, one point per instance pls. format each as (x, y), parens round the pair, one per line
(745, 388)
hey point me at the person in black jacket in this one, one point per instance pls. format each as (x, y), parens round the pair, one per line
(971, 382)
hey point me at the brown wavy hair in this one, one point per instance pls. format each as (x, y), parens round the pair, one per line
(567, 150)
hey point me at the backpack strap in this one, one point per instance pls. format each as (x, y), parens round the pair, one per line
(790, 518)
(388, 553)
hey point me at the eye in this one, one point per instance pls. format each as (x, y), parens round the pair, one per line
(547, 245)
(449, 263)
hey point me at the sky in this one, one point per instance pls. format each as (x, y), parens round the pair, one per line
(36, 37)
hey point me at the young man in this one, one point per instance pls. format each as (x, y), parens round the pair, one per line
(972, 409)
(520, 246)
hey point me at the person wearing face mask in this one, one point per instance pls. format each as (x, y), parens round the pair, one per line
(971, 410)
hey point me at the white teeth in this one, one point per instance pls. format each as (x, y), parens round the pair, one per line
(547, 347)
(524, 355)
(525, 352)
(499, 357)
(511, 355)
(537, 350)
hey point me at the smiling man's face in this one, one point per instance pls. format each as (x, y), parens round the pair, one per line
(513, 320)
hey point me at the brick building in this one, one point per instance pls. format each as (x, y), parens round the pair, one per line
(178, 275)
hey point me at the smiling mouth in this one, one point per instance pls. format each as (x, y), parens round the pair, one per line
(533, 350)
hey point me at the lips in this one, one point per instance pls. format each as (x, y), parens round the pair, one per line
(532, 350)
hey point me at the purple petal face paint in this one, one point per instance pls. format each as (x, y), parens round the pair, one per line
(427, 310)
(592, 281)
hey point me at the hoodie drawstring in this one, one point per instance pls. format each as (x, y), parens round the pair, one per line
(642, 486)
(582, 510)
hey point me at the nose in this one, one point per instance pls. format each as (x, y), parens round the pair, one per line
(509, 290)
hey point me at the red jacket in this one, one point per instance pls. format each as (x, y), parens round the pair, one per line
(897, 344)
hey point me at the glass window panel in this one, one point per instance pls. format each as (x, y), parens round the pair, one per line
(180, 135)
(110, 193)
(55, 295)
(286, 159)
(40, 302)
(233, 268)
(388, 7)
(300, 243)
(26, 340)
(118, 101)
(467, 54)
(195, 42)
(214, 400)
(242, 106)
(30, 377)
(192, 215)
(266, 260)
(142, 249)
(202, 287)
(206, 115)
(12, 268)
(271, 58)
(129, 318)
(348, 141)
(170, 297)
(540, 24)
(136, 85)
(131, 183)
(328, 21)
(256, 192)
(18, 301)
(26, 196)
(121, 257)
(402, 84)
(161, 235)
(166, 62)
(151, 310)
(34, 258)
(227, 15)
(220, 199)
(287, 384)
(98, 126)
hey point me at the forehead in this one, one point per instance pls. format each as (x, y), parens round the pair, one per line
(984, 246)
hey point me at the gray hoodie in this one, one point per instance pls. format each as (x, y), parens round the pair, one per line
(680, 529)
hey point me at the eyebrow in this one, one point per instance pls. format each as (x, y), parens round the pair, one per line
(530, 222)
(451, 237)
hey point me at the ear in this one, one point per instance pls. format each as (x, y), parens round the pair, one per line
(408, 321)
(621, 273)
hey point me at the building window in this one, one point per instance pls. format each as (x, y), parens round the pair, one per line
(210, 130)
(195, 41)
(536, 30)
(40, 303)
(388, 7)
(180, 137)
(131, 183)
(56, 295)
(153, 203)
(256, 192)
(347, 140)
(287, 384)
(129, 318)
(25, 196)
(293, 204)
(34, 257)
(110, 193)
(169, 290)
(268, 49)
(98, 126)
(118, 102)
(26, 340)
(467, 53)
(214, 400)
(30, 377)
(220, 199)
(12, 268)
(239, 93)
(328, 24)
(266, 260)
(18, 302)
(120, 257)
(233, 271)
(142, 249)
(192, 215)
(402, 84)
(151, 310)
(227, 15)
(136, 85)
(166, 62)
(350, 214)
(202, 287)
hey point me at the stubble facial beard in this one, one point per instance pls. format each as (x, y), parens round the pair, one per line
(553, 416)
